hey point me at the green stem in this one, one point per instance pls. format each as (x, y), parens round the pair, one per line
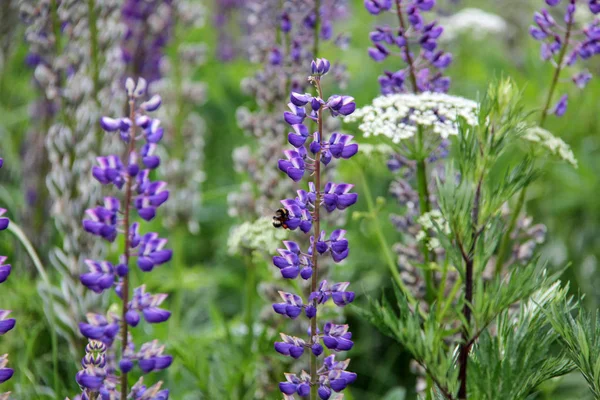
(20, 235)
(425, 207)
(389, 257)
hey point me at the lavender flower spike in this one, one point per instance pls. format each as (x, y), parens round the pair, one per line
(304, 211)
(130, 178)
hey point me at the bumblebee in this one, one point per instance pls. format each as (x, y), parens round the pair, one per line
(280, 218)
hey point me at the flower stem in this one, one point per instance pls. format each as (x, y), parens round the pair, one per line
(409, 59)
(125, 287)
(315, 254)
(425, 207)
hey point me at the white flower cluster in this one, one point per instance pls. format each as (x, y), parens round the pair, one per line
(369, 149)
(478, 24)
(551, 143)
(432, 221)
(397, 116)
(258, 235)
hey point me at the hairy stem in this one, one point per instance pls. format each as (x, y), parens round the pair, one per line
(125, 288)
(504, 246)
(314, 378)
(463, 356)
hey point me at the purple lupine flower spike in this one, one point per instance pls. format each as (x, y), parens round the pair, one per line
(130, 176)
(564, 42)
(304, 212)
(417, 42)
(6, 323)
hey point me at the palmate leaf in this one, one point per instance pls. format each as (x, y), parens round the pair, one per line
(519, 357)
(580, 336)
(421, 336)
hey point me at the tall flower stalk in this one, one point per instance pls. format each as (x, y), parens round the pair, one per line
(304, 213)
(6, 324)
(130, 174)
(283, 37)
(562, 44)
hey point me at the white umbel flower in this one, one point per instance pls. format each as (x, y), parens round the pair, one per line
(478, 24)
(432, 220)
(549, 142)
(254, 236)
(397, 116)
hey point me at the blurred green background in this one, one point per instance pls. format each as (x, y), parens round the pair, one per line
(213, 358)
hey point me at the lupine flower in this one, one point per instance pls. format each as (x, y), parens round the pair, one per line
(147, 304)
(100, 277)
(4, 269)
(6, 324)
(337, 292)
(3, 220)
(152, 252)
(5, 372)
(292, 261)
(92, 376)
(155, 392)
(564, 43)
(337, 337)
(425, 67)
(103, 220)
(151, 357)
(100, 328)
(290, 346)
(146, 196)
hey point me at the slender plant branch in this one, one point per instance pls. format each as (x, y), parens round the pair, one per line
(463, 357)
